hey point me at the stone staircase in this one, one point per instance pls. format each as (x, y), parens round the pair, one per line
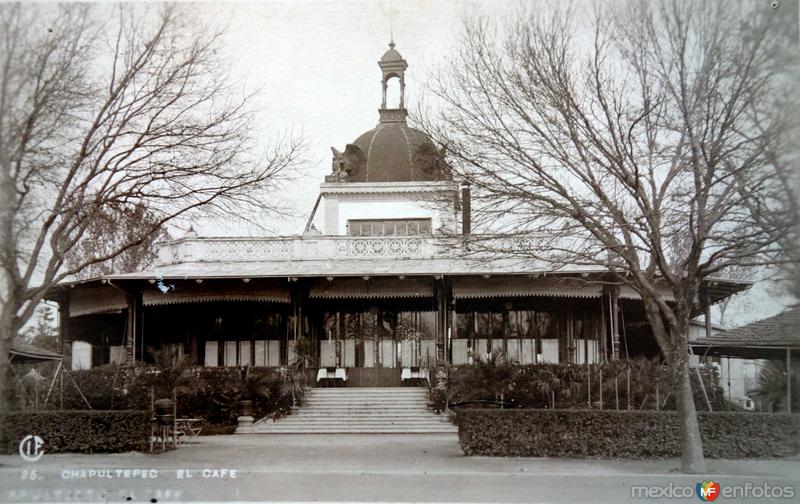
(378, 410)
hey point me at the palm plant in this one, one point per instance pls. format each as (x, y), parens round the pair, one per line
(546, 383)
(245, 385)
(486, 379)
(169, 373)
(771, 386)
(304, 354)
(442, 385)
(294, 384)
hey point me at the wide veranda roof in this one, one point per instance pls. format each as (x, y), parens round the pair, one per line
(767, 338)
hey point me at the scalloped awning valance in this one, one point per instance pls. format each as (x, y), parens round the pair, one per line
(476, 288)
(107, 299)
(374, 288)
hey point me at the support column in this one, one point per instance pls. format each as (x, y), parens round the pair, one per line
(63, 323)
(613, 320)
(603, 332)
(707, 314)
(295, 328)
(134, 333)
(442, 291)
(788, 380)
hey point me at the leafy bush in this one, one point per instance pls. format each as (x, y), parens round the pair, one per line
(771, 386)
(216, 394)
(106, 388)
(514, 385)
(89, 431)
(207, 393)
(593, 433)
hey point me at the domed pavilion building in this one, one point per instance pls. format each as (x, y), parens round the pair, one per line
(381, 290)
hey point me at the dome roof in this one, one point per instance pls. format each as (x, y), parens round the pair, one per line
(390, 152)
(394, 152)
(392, 54)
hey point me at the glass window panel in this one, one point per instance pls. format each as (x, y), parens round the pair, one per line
(403, 227)
(497, 325)
(579, 328)
(484, 324)
(427, 323)
(352, 326)
(465, 325)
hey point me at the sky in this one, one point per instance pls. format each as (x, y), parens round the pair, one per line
(315, 65)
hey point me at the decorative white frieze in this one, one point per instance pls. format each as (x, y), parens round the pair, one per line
(298, 248)
(245, 250)
(293, 248)
(386, 247)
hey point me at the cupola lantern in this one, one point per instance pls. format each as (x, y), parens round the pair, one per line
(393, 66)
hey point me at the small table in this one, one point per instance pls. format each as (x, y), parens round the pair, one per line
(330, 373)
(414, 373)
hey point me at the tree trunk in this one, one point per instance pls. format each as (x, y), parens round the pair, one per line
(674, 345)
(5, 343)
(6, 335)
(692, 460)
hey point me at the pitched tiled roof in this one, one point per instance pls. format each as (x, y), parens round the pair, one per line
(780, 331)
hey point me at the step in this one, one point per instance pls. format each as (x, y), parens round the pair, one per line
(355, 413)
(368, 389)
(347, 419)
(314, 397)
(356, 391)
(339, 426)
(358, 420)
(344, 431)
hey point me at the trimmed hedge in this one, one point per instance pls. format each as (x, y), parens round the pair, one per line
(89, 431)
(635, 434)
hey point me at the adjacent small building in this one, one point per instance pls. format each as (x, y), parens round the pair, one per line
(775, 338)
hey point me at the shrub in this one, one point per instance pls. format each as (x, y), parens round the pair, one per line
(205, 393)
(106, 388)
(498, 379)
(593, 433)
(212, 398)
(89, 431)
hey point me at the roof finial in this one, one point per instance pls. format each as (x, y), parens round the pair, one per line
(391, 25)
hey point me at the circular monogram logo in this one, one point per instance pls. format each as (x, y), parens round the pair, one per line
(31, 448)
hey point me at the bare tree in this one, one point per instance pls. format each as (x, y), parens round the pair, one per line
(640, 144)
(110, 230)
(103, 110)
